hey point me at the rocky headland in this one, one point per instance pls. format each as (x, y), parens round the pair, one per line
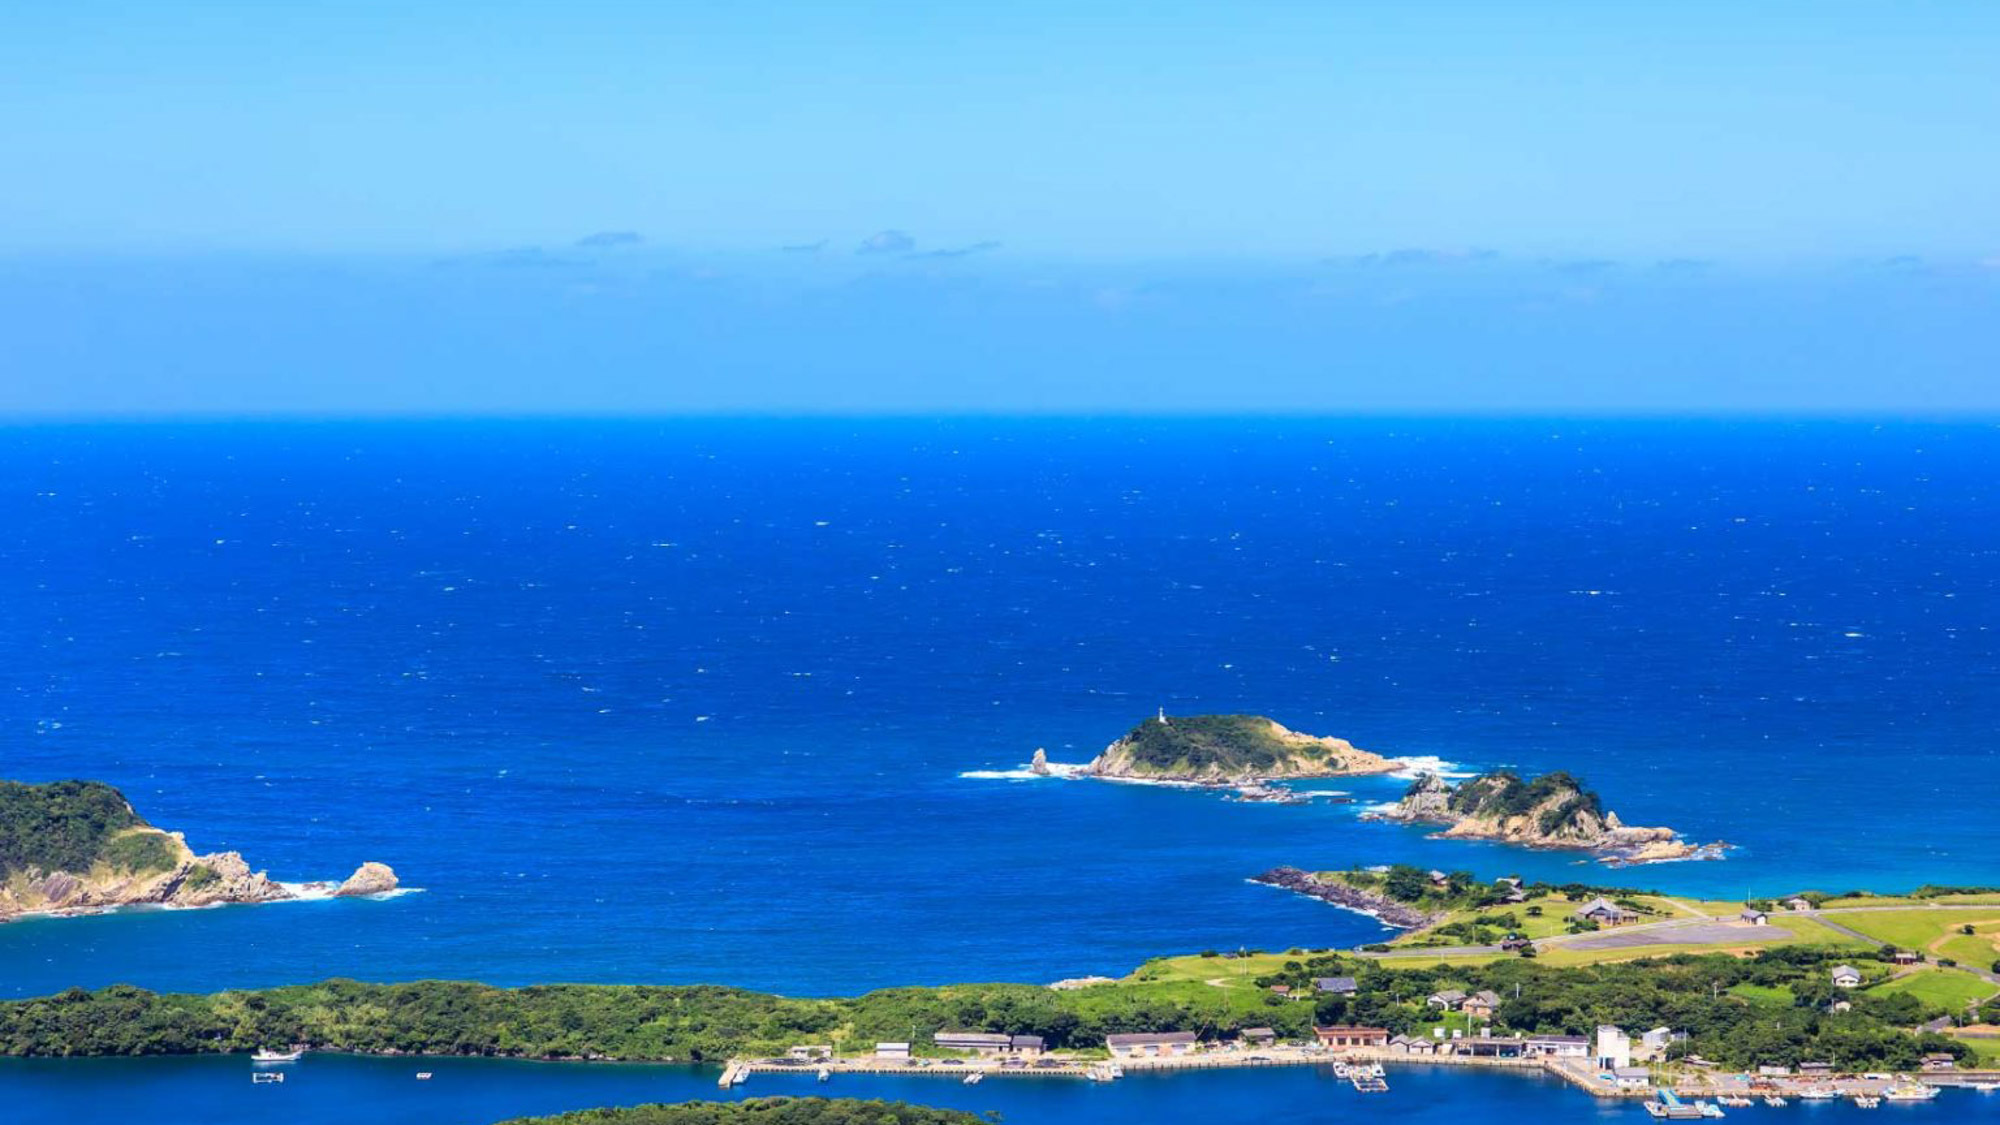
(76, 847)
(1551, 811)
(1229, 750)
(1389, 910)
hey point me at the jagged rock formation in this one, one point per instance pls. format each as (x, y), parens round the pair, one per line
(369, 879)
(1391, 912)
(1552, 811)
(1228, 750)
(1040, 765)
(71, 847)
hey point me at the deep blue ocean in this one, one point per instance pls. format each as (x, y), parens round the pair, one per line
(693, 700)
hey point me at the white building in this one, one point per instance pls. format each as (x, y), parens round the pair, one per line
(1846, 976)
(1632, 1077)
(1614, 1048)
(892, 1050)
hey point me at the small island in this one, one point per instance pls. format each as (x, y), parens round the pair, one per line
(78, 847)
(1228, 750)
(1550, 811)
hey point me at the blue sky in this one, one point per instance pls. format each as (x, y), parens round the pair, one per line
(1031, 205)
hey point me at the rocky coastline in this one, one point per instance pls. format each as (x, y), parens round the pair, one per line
(74, 848)
(1553, 811)
(1399, 914)
(1229, 751)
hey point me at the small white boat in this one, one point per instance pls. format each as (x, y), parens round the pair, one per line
(1867, 1101)
(825, 1074)
(1775, 1102)
(266, 1077)
(1818, 1094)
(423, 1076)
(1983, 1087)
(975, 1078)
(1910, 1093)
(266, 1055)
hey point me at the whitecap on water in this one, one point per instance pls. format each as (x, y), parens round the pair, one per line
(1060, 771)
(1410, 767)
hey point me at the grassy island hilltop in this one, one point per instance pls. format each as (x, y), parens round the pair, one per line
(76, 846)
(1228, 750)
(1554, 810)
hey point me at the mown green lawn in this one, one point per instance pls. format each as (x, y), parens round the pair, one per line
(1988, 1051)
(1909, 929)
(1947, 988)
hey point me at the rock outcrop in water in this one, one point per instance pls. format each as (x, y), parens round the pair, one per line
(1391, 912)
(1552, 811)
(72, 847)
(368, 879)
(1228, 750)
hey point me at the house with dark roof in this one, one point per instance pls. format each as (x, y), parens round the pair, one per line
(1149, 1044)
(1336, 986)
(1604, 912)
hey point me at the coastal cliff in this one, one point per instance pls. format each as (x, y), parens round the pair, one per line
(1389, 910)
(71, 847)
(1551, 811)
(1228, 750)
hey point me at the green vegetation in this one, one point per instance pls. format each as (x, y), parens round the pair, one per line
(1733, 1006)
(1471, 912)
(1909, 929)
(764, 1111)
(143, 852)
(1502, 795)
(201, 876)
(1193, 743)
(1939, 988)
(60, 826)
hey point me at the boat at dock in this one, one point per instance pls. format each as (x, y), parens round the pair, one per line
(975, 1078)
(1365, 1081)
(825, 1074)
(1867, 1101)
(1775, 1102)
(1910, 1093)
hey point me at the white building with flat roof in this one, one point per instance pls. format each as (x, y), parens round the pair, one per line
(1614, 1048)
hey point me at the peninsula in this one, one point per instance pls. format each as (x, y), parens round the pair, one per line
(1551, 811)
(1814, 978)
(74, 847)
(1228, 750)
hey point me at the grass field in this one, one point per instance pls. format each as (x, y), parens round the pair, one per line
(1946, 988)
(1980, 948)
(1988, 1051)
(1904, 900)
(1909, 929)
(1777, 996)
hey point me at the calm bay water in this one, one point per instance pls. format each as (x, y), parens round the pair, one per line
(692, 701)
(328, 1090)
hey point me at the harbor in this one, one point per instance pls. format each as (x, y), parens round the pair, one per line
(1685, 1094)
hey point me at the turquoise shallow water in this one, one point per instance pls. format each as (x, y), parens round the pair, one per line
(693, 701)
(330, 1090)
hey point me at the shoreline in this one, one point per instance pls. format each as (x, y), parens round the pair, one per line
(319, 892)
